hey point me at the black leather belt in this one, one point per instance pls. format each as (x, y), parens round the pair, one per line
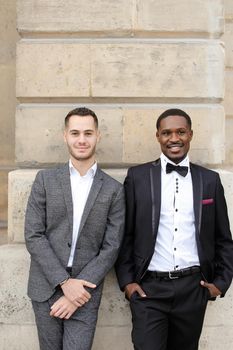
(174, 274)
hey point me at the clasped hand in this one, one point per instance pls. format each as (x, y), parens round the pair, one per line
(75, 296)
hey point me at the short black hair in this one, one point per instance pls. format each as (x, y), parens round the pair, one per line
(82, 112)
(174, 111)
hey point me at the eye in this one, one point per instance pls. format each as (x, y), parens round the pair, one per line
(181, 132)
(165, 133)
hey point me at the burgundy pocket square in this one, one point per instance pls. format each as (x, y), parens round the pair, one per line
(207, 201)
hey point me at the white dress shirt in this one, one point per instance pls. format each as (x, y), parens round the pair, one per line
(80, 188)
(175, 246)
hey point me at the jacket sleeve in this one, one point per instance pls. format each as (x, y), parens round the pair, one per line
(35, 235)
(223, 242)
(125, 262)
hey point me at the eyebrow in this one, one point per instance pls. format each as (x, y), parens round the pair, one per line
(82, 130)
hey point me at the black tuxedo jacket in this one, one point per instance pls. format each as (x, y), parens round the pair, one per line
(213, 236)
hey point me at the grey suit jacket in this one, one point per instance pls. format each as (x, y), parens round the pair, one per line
(49, 225)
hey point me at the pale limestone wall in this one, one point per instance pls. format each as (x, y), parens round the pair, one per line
(228, 101)
(128, 61)
(8, 37)
(114, 323)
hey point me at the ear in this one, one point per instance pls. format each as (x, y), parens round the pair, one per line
(191, 134)
(157, 135)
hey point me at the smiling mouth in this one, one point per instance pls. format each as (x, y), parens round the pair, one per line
(175, 145)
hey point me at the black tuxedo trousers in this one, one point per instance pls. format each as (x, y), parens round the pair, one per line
(171, 316)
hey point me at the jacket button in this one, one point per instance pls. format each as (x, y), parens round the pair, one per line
(69, 244)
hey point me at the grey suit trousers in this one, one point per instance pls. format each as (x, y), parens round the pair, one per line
(77, 333)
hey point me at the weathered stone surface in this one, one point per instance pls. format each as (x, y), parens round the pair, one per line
(151, 70)
(113, 338)
(18, 337)
(75, 16)
(207, 146)
(20, 182)
(3, 194)
(45, 69)
(228, 6)
(217, 338)
(228, 101)
(39, 135)
(128, 135)
(167, 70)
(229, 139)
(227, 38)
(114, 323)
(19, 185)
(182, 16)
(120, 17)
(15, 307)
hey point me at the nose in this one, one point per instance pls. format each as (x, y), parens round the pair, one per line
(81, 138)
(174, 137)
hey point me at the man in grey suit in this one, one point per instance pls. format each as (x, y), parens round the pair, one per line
(73, 230)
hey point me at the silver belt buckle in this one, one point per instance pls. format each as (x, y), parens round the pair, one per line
(172, 277)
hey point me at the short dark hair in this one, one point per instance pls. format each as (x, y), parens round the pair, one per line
(174, 111)
(82, 112)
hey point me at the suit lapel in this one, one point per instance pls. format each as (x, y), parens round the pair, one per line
(64, 176)
(197, 196)
(155, 186)
(95, 188)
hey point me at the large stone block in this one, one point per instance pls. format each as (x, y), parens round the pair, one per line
(52, 70)
(140, 144)
(75, 16)
(158, 70)
(228, 40)
(20, 182)
(155, 70)
(128, 134)
(39, 135)
(228, 101)
(120, 17)
(199, 17)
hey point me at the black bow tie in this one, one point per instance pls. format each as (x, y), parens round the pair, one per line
(182, 170)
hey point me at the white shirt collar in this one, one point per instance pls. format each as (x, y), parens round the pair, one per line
(165, 160)
(90, 173)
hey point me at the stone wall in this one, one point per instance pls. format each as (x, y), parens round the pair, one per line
(128, 61)
(8, 38)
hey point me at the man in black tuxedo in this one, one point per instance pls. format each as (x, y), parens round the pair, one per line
(177, 251)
